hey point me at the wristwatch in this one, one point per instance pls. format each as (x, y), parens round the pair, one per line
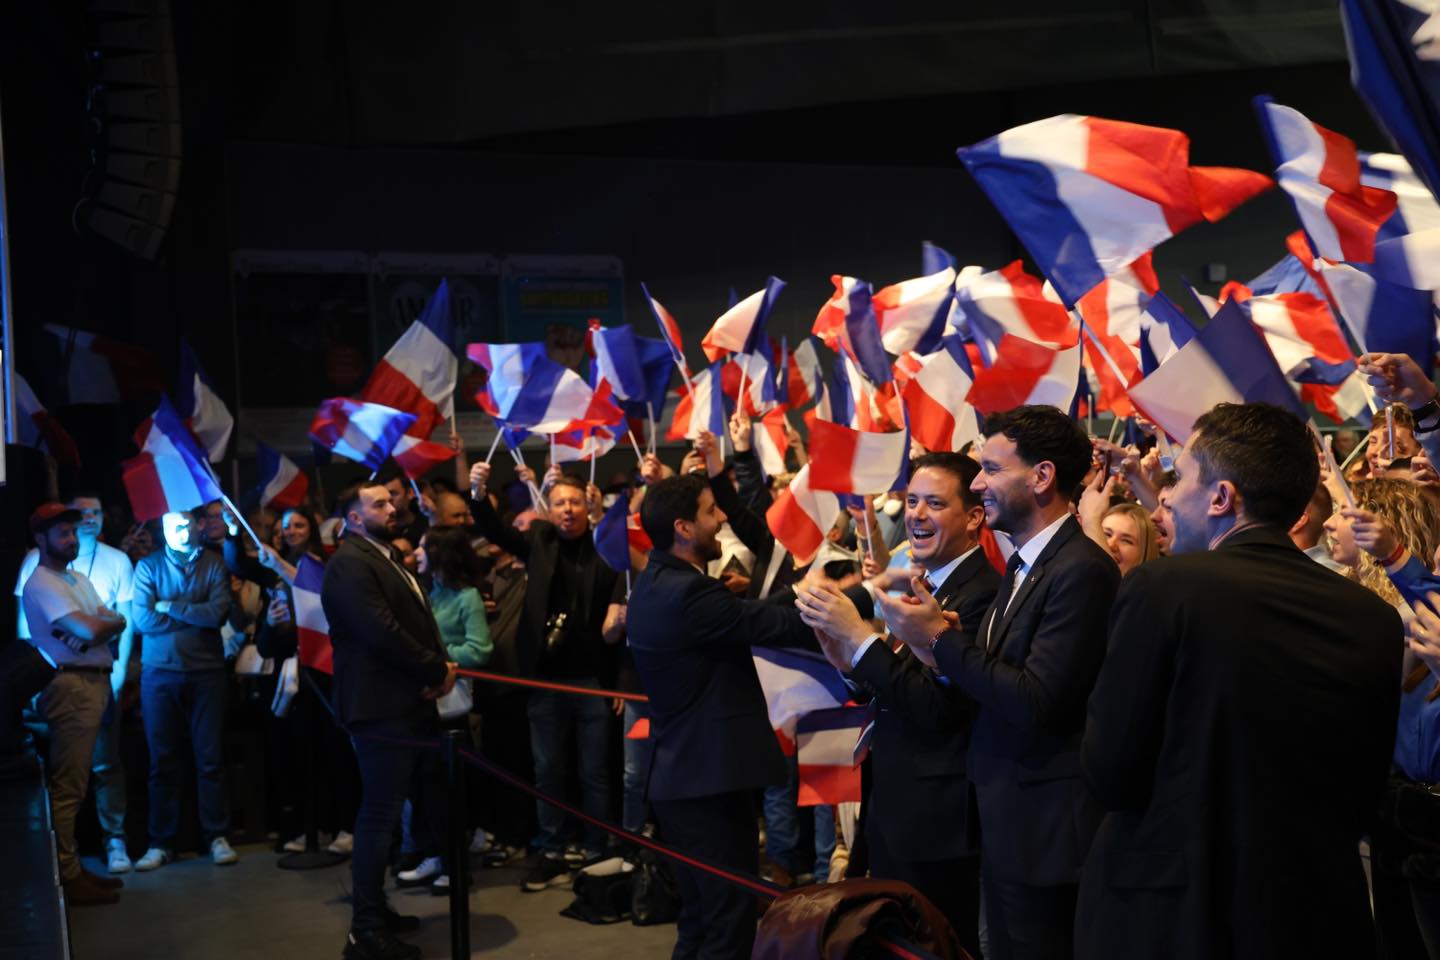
(1427, 416)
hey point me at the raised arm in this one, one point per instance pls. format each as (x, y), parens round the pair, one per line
(487, 521)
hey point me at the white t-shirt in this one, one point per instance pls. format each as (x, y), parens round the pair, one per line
(109, 571)
(47, 597)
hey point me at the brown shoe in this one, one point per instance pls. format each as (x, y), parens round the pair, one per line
(80, 892)
(105, 883)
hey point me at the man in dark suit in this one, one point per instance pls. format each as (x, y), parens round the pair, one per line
(921, 819)
(560, 638)
(713, 743)
(1241, 730)
(1030, 665)
(390, 666)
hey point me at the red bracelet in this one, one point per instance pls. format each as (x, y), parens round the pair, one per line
(1395, 555)
(938, 634)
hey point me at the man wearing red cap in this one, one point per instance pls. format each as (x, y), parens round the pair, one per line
(71, 629)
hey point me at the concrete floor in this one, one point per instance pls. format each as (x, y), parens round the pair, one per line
(256, 911)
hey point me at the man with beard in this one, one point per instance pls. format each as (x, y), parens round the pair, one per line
(390, 666)
(1029, 665)
(713, 744)
(71, 627)
(1240, 731)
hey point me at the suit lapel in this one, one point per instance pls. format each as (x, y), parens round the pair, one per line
(1032, 581)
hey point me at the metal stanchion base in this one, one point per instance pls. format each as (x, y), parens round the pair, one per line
(310, 860)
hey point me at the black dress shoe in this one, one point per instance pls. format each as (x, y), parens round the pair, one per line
(378, 945)
(400, 922)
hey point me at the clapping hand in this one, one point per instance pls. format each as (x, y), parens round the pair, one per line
(915, 619)
(825, 609)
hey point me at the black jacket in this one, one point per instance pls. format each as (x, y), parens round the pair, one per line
(747, 518)
(387, 647)
(691, 640)
(539, 549)
(1239, 737)
(920, 797)
(1036, 818)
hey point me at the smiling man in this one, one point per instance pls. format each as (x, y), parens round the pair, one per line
(1029, 664)
(921, 820)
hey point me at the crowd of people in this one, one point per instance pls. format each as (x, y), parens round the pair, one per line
(1127, 699)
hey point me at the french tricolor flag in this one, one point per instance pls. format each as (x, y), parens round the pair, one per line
(1320, 170)
(1024, 372)
(1416, 209)
(282, 484)
(702, 408)
(800, 517)
(36, 427)
(941, 419)
(364, 432)
(311, 625)
(741, 329)
(1112, 314)
(912, 313)
(418, 374)
(1010, 301)
(669, 331)
(618, 360)
(825, 752)
(796, 683)
(771, 442)
(99, 369)
(200, 407)
(527, 389)
(1310, 349)
(586, 443)
(847, 323)
(1227, 361)
(1163, 330)
(417, 457)
(1087, 196)
(854, 461)
(805, 379)
(171, 474)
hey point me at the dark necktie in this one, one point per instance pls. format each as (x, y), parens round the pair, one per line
(1007, 591)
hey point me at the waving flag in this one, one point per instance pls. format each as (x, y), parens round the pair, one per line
(741, 329)
(1112, 314)
(825, 753)
(805, 380)
(669, 331)
(796, 683)
(847, 324)
(853, 461)
(36, 427)
(770, 442)
(97, 369)
(1163, 330)
(311, 625)
(611, 538)
(363, 432)
(1025, 372)
(200, 407)
(912, 313)
(1011, 301)
(1227, 361)
(619, 360)
(282, 484)
(940, 417)
(1416, 209)
(171, 474)
(1320, 170)
(1383, 317)
(583, 444)
(418, 374)
(800, 517)
(706, 411)
(527, 389)
(933, 259)
(418, 457)
(1088, 196)
(1310, 349)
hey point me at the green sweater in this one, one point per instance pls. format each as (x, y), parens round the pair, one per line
(461, 616)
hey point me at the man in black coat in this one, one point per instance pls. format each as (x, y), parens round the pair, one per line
(1241, 730)
(1030, 665)
(560, 638)
(390, 666)
(920, 820)
(713, 743)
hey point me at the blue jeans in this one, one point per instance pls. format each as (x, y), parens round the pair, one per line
(782, 826)
(637, 770)
(175, 701)
(552, 717)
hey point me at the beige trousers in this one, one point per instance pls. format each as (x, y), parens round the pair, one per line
(72, 705)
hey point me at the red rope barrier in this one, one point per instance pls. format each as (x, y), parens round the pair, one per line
(547, 685)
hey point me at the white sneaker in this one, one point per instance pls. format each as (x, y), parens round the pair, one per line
(154, 859)
(344, 843)
(117, 858)
(220, 852)
(480, 843)
(427, 870)
(295, 846)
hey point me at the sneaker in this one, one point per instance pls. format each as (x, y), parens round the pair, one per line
(80, 892)
(378, 945)
(344, 843)
(154, 859)
(117, 858)
(501, 855)
(481, 843)
(421, 876)
(220, 852)
(440, 886)
(294, 846)
(573, 853)
(550, 870)
(105, 883)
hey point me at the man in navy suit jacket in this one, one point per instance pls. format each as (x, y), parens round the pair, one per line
(1030, 666)
(713, 743)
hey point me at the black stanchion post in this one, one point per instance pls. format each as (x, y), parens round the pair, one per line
(459, 850)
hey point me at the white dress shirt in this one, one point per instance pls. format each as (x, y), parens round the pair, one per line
(937, 580)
